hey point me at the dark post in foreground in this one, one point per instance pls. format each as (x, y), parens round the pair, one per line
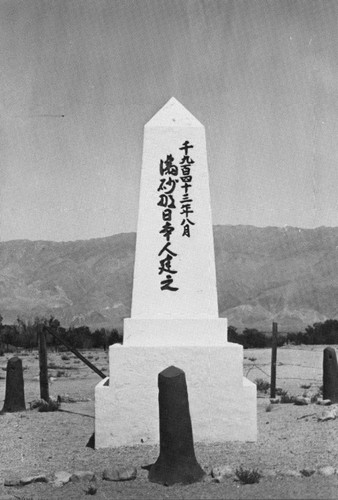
(273, 361)
(15, 393)
(44, 386)
(330, 375)
(177, 462)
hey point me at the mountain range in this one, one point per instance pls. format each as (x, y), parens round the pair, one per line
(288, 275)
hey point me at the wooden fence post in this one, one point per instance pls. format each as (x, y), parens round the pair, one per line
(177, 461)
(15, 392)
(273, 360)
(44, 387)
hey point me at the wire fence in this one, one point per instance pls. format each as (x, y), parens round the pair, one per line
(305, 372)
(281, 376)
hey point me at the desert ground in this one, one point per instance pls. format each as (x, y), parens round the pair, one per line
(290, 437)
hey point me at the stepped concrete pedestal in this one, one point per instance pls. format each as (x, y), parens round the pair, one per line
(174, 317)
(222, 403)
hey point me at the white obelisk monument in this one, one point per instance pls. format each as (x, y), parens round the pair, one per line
(174, 317)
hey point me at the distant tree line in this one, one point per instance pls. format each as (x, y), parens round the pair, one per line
(318, 333)
(251, 338)
(25, 334)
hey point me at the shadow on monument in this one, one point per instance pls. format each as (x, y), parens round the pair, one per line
(91, 442)
(177, 462)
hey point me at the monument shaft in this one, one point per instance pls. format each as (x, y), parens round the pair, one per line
(174, 262)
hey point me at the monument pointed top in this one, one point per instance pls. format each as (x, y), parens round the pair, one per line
(173, 114)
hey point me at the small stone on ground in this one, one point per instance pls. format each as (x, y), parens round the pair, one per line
(119, 474)
(327, 471)
(222, 472)
(41, 478)
(82, 475)
(61, 478)
(300, 400)
(12, 481)
(328, 415)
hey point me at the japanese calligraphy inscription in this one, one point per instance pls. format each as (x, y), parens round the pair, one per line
(174, 274)
(168, 182)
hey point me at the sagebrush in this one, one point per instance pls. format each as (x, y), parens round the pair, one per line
(248, 476)
(262, 385)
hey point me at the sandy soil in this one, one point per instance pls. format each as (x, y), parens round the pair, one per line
(290, 438)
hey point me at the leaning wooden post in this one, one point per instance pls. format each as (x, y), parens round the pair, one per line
(273, 361)
(44, 388)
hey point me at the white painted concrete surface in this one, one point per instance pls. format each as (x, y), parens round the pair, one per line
(222, 405)
(175, 327)
(196, 296)
(175, 332)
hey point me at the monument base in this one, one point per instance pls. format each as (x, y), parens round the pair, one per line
(222, 402)
(175, 332)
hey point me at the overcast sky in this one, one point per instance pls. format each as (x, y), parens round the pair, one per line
(80, 78)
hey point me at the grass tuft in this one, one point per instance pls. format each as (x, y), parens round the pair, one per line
(45, 406)
(285, 397)
(62, 373)
(262, 385)
(91, 490)
(247, 476)
(54, 366)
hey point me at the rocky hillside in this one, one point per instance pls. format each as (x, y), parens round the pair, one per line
(287, 275)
